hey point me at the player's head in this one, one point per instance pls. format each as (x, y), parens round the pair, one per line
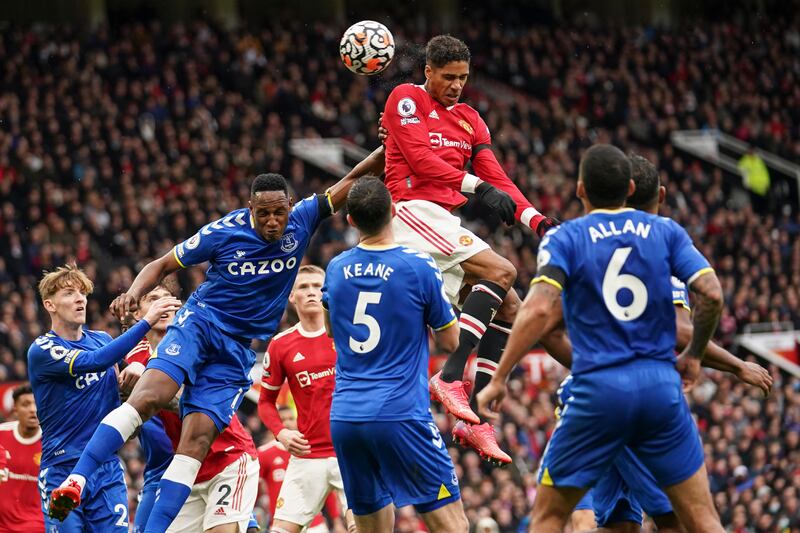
(446, 68)
(288, 417)
(25, 408)
(649, 192)
(369, 206)
(64, 293)
(167, 287)
(306, 295)
(270, 204)
(605, 177)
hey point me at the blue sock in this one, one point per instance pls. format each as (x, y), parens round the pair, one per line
(173, 489)
(116, 428)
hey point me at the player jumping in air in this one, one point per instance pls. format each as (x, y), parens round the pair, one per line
(617, 501)
(226, 486)
(74, 380)
(431, 138)
(304, 356)
(612, 266)
(254, 255)
(381, 298)
(20, 506)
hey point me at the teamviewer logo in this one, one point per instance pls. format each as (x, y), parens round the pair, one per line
(436, 139)
(303, 378)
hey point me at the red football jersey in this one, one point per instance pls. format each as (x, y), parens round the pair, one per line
(20, 505)
(274, 459)
(308, 361)
(429, 146)
(228, 447)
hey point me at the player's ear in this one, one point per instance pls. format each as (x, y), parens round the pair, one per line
(662, 194)
(631, 187)
(580, 191)
(394, 210)
(350, 221)
(49, 305)
(291, 200)
(428, 72)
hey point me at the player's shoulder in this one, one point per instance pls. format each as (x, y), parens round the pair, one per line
(98, 335)
(45, 344)
(409, 89)
(284, 336)
(236, 220)
(8, 426)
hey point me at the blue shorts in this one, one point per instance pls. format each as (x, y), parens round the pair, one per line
(104, 501)
(639, 405)
(214, 366)
(147, 498)
(586, 503)
(405, 462)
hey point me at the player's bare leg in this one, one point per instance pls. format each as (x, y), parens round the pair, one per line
(381, 521)
(153, 392)
(691, 500)
(668, 523)
(583, 520)
(447, 519)
(283, 526)
(552, 508)
(224, 528)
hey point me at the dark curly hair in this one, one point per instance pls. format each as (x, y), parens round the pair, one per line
(444, 49)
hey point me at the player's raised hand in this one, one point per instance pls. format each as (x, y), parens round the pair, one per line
(545, 225)
(498, 201)
(755, 375)
(161, 307)
(294, 441)
(123, 305)
(689, 369)
(489, 400)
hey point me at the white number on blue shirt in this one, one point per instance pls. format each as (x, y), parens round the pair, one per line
(613, 282)
(361, 317)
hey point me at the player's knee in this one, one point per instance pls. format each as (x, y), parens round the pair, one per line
(503, 272)
(197, 447)
(508, 310)
(146, 401)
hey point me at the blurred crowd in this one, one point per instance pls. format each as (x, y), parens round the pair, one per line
(116, 144)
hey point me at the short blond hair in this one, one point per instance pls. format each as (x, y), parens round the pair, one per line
(310, 269)
(65, 276)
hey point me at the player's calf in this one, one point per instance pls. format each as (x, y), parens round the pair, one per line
(447, 519)
(692, 502)
(552, 508)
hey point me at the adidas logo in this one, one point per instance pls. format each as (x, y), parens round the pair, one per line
(434, 114)
(298, 357)
(220, 512)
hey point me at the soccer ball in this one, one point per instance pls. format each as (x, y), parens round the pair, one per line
(367, 47)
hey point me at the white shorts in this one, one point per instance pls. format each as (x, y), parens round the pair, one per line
(306, 485)
(430, 228)
(227, 498)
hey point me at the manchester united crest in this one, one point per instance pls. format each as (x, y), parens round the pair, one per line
(464, 124)
(465, 240)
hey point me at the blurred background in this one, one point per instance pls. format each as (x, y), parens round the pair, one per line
(125, 125)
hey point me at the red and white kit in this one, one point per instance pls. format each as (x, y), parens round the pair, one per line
(308, 361)
(226, 486)
(20, 504)
(427, 151)
(274, 459)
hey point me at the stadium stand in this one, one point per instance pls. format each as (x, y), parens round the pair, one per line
(116, 143)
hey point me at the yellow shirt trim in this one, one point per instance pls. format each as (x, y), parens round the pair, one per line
(449, 324)
(698, 274)
(378, 246)
(613, 211)
(549, 281)
(175, 255)
(682, 304)
(72, 362)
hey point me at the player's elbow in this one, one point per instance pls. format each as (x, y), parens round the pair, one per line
(710, 290)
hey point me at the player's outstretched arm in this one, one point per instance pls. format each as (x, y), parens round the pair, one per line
(374, 164)
(531, 322)
(145, 281)
(721, 359)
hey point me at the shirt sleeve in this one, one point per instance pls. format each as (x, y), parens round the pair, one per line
(55, 361)
(679, 295)
(198, 248)
(310, 211)
(406, 120)
(553, 258)
(439, 312)
(686, 261)
(272, 378)
(487, 168)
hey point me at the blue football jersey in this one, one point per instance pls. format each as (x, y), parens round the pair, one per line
(617, 304)
(381, 302)
(248, 279)
(70, 407)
